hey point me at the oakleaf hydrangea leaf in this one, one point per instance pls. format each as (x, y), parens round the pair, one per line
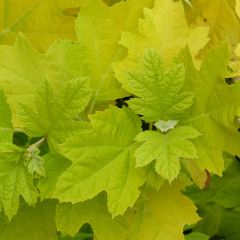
(103, 160)
(162, 215)
(166, 149)
(15, 181)
(159, 93)
(214, 110)
(70, 218)
(41, 21)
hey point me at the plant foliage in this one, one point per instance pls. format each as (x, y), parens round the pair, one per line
(118, 120)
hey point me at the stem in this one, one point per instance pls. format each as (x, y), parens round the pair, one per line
(150, 126)
(36, 144)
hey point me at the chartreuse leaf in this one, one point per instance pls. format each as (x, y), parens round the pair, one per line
(162, 215)
(15, 181)
(165, 29)
(159, 93)
(19, 79)
(166, 149)
(220, 16)
(33, 77)
(238, 7)
(53, 110)
(32, 223)
(214, 110)
(70, 218)
(6, 130)
(54, 166)
(99, 28)
(41, 21)
(103, 160)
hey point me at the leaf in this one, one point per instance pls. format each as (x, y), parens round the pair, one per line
(223, 191)
(55, 165)
(214, 110)
(166, 149)
(15, 180)
(196, 236)
(54, 109)
(70, 218)
(21, 77)
(32, 223)
(162, 215)
(6, 130)
(165, 29)
(99, 30)
(36, 166)
(41, 21)
(220, 16)
(103, 160)
(238, 7)
(159, 95)
(32, 81)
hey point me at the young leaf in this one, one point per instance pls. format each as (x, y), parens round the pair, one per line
(159, 94)
(103, 160)
(166, 149)
(70, 218)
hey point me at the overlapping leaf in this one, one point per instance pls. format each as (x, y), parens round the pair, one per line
(38, 19)
(70, 218)
(103, 160)
(162, 215)
(31, 223)
(42, 104)
(165, 29)
(55, 109)
(99, 28)
(220, 16)
(15, 181)
(213, 113)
